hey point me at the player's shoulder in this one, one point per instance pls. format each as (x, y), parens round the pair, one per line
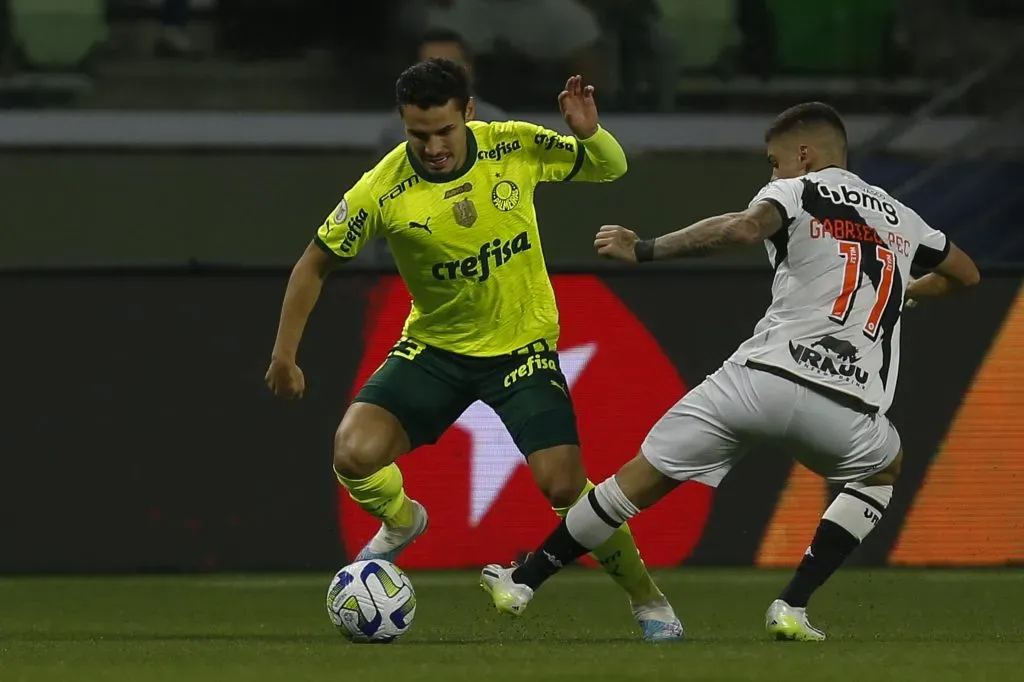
(525, 132)
(492, 133)
(506, 128)
(779, 183)
(501, 140)
(791, 188)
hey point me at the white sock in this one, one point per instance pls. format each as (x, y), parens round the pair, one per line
(859, 507)
(593, 519)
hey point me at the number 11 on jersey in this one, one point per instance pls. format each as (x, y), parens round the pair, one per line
(852, 252)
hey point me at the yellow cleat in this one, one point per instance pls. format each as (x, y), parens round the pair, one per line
(788, 623)
(508, 596)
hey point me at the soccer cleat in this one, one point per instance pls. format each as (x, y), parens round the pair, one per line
(509, 597)
(788, 623)
(389, 542)
(658, 622)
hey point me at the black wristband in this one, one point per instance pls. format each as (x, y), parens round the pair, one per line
(644, 250)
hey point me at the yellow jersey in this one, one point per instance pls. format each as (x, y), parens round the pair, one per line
(467, 243)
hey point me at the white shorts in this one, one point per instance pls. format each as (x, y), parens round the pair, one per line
(703, 435)
(541, 29)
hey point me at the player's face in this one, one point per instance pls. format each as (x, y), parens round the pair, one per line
(438, 135)
(788, 157)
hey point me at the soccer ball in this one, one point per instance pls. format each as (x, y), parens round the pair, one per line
(371, 602)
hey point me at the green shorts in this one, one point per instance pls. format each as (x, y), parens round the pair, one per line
(427, 389)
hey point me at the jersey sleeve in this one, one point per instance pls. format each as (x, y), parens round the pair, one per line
(932, 246)
(785, 195)
(354, 222)
(559, 157)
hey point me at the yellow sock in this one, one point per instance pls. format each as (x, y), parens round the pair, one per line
(382, 495)
(620, 559)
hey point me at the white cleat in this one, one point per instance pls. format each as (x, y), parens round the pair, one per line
(658, 622)
(508, 596)
(788, 623)
(389, 542)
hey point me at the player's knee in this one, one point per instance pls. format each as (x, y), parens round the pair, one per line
(358, 453)
(564, 491)
(355, 458)
(363, 444)
(559, 475)
(890, 474)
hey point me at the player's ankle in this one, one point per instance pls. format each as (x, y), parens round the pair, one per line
(403, 516)
(644, 592)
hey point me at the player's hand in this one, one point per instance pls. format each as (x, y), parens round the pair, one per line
(908, 297)
(578, 107)
(616, 242)
(285, 379)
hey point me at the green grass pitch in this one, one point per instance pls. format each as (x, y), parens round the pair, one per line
(882, 625)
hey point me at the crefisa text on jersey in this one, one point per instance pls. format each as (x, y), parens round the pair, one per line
(553, 142)
(478, 266)
(501, 150)
(355, 230)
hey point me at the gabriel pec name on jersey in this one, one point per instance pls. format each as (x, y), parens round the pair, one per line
(479, 266)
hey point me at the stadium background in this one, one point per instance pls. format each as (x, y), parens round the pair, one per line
(154, 193)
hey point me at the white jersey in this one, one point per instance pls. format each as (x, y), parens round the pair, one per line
(842, 263)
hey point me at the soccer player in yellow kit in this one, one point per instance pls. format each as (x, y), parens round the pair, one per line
(455, 203)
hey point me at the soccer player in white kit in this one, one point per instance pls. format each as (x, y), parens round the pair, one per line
(817, 375)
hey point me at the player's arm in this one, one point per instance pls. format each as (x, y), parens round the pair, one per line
(300, 298)
(752, 226)
(349, 227)
(566, 158)
(773, 209)
(703, 238)
(590, 154)
(603, 158)
(955, 272)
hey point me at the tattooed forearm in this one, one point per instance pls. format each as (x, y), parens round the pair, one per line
(713, 234)
(706, 237)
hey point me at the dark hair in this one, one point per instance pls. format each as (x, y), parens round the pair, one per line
(433, 83)
(444, 35)
(808, 113)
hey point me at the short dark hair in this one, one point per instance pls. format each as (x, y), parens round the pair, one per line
(808, 113)
(444, 35)
(433, 83)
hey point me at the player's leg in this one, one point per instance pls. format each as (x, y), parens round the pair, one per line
(842, 445)
(560, 475)
(699, 438)
(409, 401)
(528, 393)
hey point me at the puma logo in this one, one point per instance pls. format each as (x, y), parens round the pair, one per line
(560, 387)
(420, 226)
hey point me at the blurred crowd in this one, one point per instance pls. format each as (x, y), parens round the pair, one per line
(635, 51)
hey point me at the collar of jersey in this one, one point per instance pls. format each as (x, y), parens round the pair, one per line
(471, 150)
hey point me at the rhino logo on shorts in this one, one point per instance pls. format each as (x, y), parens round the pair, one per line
(843, 350)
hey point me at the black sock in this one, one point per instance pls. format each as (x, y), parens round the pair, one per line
(831, 545)
(559, 550)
